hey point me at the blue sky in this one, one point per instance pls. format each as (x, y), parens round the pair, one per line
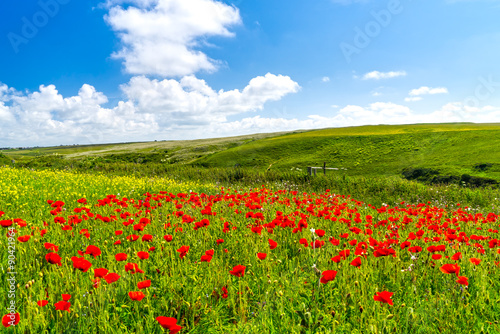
(79, 72)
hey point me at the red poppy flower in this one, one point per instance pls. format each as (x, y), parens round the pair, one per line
(344, 254)
(117, 242)
(384, 252)
(272, 244)
(144, 284)
(96, 282)
(118, 232)
(475, 261)
(10, 320)
(138, 227)
(457, 256)
(147, 237)
(206, 258)
(121, 257)
(327, 276)
(24, 238)
(183, 250)
(111, 277)
(224, 292)
(132, 237)
(81, 264)
(304, 242)
(169, 323)
(317, 244)
(219, 241)
(238, 271)
(100, 272)
(63, 306)
(53, 258)
(82, 201)
(66, 297)
(93, 250)
(136, 295)
(143, 255)
(133, 268)
(319, 233)
(450, 269)
(336, 259)
(261, 256)
(384, 297)
(42, 303)
(6, 223)
(356, 262)
(415, 249)
(436, 256)
(463, 280)
(51, 247)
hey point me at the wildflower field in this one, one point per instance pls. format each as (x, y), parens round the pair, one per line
(102, 254)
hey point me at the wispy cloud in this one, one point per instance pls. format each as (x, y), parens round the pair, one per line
(413, 99)
(424, 90)
(376, 75)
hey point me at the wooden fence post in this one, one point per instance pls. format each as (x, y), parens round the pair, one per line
(309, 170)
(324, 168)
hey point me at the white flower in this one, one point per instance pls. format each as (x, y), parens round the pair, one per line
(312, 230)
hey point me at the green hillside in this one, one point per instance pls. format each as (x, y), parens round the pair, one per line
(438, 153)
(384, 150)
(171, 151)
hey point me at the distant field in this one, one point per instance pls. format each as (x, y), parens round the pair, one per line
(183, 149)
(370, 151)
(376, 150)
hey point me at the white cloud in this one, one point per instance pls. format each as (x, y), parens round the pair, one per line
(376, 75)
(427, 90)
(162, 37)
(325, 79)
(153, 108)
(192, 100)
(413, 99)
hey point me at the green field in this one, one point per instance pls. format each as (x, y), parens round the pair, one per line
(385, 150)
(231, 235)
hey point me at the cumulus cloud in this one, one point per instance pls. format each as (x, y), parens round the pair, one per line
(376, 75)
(191, 100)
(413, 99)
(325, 79)
(152, 108)
(424, 90)
(163, 37)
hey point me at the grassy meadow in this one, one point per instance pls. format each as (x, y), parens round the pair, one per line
(232, 236)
